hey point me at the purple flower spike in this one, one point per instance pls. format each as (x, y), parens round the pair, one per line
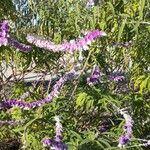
(125, 138)
(58, 137)
(54, 93)
(57, 143)
(70, 46)
(5, 40)
(18, 45)
(95, 76)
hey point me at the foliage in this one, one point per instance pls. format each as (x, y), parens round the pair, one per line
(84, 109)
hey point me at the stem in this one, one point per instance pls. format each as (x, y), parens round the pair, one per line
(81, 72)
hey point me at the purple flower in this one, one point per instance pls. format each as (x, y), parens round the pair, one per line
(102, 129)
(4, 25)
(4, 28)
(95, 76)
(47, 142)
(71, 46)
(117, 77)
(124, 139)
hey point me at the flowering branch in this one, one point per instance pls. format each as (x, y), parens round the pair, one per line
(57, 143)
(56, 90)
(6, 40)
(125, 138)
(70, 46)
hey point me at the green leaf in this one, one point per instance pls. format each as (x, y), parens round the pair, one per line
(121, 29)
(81, 99)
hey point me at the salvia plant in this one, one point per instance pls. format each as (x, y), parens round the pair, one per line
(74, 74)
